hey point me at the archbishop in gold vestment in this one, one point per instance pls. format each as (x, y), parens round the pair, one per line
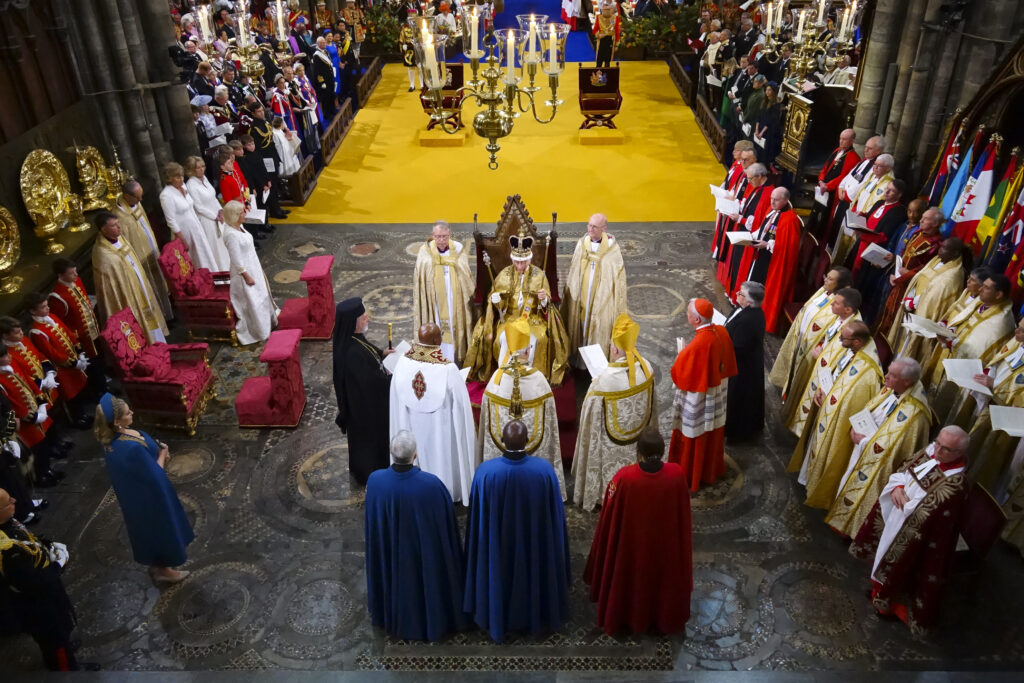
(136, 229)
(595, 293)
(442, 291)
(517, 298)
(121, 282)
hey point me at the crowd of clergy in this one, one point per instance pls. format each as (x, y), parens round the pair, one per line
(896, 376)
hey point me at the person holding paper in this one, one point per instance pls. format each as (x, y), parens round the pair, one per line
(981, 336)
(442, 289)
(801, 407)
(911, 532)
(251, 298)
(826, 447)
(929, 294)
(754, 206)
(874, 278)
(901, 420)
(849, 185)
(701, 397)
(842, 160)
(883, 219)
(538, 403)
(920, 247)
(869, 193)
(745, 408)
(736, 185)
(959, 312)
(619, 404)
(595, 290)
(429, 399)
(361, 386)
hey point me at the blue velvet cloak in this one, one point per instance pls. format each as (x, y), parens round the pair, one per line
(414, 561)
(517, 548)
(157, 524)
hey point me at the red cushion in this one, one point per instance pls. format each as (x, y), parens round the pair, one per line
(282, 345)
(317, 267)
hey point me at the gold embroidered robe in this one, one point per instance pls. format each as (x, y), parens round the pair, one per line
(792, 364)
(595, 293)
(119, 285)
(959, 313)
(135, 228)
(936, 287)
(445, 301)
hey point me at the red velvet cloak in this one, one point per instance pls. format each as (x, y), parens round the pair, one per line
(706, 361)
(781, 278)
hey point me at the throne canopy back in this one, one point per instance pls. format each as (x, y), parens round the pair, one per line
(514, 216)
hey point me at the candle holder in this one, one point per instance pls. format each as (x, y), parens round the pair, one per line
(429, 50)
(533, 26)
(278, 12)
(473, 37)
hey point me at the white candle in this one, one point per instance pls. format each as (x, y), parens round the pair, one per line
(853, 18)
(510, 54)
(430, 61)
(242, 32)
(800, 26)
(280, 22)
(531, 42)
(843, 25)
(553, 51)
(769, 23)
(474, 24)
(821, 12)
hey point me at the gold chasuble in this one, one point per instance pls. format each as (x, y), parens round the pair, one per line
(517, 298)
(121, 282)
(442, 291)
(826, 446)
(902, 431)
(931, 292)
(954, 318)
(136, 229)
(595, 293)
(794, 361)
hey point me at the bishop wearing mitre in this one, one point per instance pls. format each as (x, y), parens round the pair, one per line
(537, 403)
(442, 289)
(619, 404)
(429, 398)
(595, 291)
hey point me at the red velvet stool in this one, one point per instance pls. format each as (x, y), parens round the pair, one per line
(312, 315)
(276, 400)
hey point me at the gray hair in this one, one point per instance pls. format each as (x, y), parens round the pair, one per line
(886, 160)
(220, 90)
(403, 447)
(442, 224)
(962, 436)
(754, 292)
(937, 211)
(879, 141)
(907, 368)
(757, 170)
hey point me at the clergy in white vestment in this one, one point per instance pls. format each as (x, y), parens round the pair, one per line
(429, 398)
(595, 291)
(619, 404)
(442, 289)
(250, 291)
(536, 400)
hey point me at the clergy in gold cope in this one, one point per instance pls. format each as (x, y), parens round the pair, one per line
(442, 290)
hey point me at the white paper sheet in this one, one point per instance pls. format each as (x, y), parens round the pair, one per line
(863, 423)
(720, 192)
(759, 141)
(1006, 419)
(256, 216)
(741, 237)
(875, 255)
(392, 359)
(961, 372)
(680, 343)
(825, 380)
(746, 129)
(718, 318)
(729, 207)
(266, 193)
(269, 165)
(849, 185)
(855, 220)
(594, 358)
(931, 327)
(712, 80)
(820, 197)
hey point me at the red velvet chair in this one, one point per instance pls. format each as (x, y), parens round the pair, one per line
(168, 384)
(314, 314)
(276, 400)
(202, 298)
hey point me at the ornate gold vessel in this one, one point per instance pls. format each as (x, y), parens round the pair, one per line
(10, 252)
(116, 178)
(92, 176)
(45, 190)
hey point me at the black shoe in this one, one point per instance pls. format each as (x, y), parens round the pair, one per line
(46, 481)
(411, 89)
(42, 504)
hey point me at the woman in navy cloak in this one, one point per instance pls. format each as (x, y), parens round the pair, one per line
(158, 527)
(517, 547)
(414, 560)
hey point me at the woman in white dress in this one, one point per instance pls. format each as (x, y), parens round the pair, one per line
(204, 197)
(250, 292)
(287, 143)
(181, 217)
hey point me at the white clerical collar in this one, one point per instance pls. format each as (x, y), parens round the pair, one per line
(701, 327)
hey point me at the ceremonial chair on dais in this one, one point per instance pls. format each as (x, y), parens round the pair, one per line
(313, 315)
(450, 99)
(278, 399)
(168, 384)
(600, 99)
(203, 298)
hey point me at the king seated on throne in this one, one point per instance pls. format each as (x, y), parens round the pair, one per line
(520, 291)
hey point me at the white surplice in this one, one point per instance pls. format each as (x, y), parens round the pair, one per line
(204, 198)
(254, 305)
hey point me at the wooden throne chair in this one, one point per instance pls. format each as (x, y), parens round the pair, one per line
(450, 99)
(600, 99)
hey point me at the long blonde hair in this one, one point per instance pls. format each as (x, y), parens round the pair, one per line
(104, 430)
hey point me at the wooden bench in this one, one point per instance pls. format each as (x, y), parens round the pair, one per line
(369, 81)
(336, 132)
(300, 185)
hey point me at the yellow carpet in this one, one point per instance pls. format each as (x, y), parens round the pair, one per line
(381, 174)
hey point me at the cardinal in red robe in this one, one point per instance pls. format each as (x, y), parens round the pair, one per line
(641, 574)
(699, 406)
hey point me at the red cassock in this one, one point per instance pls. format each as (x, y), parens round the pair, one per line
(641, 573)
(754, 206)
(832, 174)
(781, 279)
(71, 304)
(59, 344)
(21, 392)
(733, 179)
(874, 234)
(698, 443)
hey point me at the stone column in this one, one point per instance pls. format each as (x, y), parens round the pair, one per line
(881, 50)
(905, 62)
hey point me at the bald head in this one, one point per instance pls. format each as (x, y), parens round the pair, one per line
(430, 333)
(874, 146)
(596, 226)
(515, 435)
(847, 138)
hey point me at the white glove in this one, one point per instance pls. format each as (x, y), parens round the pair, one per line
(495, 298)
(50, 381)
(82, 363)
(487, 259)
(41, 414)
(59, 553)
(14, 448)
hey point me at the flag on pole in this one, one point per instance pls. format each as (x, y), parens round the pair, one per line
(948, 164)
(974, 198)
(952, 195)
(988, 238)
(1014, 227)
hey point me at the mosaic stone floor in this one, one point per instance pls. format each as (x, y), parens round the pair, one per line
(277, 566)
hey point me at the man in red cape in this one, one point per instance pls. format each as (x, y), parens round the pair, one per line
(772, 259)
(641, 574)
(699, 407)
(754, 206)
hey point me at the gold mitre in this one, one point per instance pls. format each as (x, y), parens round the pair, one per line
(517, 338)
(522, 245)
(624, 335)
